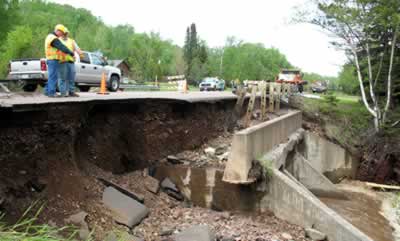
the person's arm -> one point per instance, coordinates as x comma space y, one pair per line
77, 49
60, 46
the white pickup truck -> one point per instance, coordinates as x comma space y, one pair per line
89, 69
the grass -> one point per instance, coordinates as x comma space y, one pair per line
346, 113
26, 229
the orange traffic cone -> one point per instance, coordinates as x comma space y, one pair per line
103, 90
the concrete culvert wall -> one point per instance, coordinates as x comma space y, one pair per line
329, 158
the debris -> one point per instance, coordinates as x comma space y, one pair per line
152, 184
196, 233
174, 160
210, 151
375, 185
168, 184
127, 210
77, 219
122, 237
170, 188
136, 196
167, 231
223, 157
315, 234
220, 150
286, 236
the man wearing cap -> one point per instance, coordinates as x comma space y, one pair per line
67, 67
53, 49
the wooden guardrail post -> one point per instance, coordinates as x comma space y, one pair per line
240, 100
278, 97
263, 89
250, 107
271, 97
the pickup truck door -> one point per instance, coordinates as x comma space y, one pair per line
83, 73
97, 68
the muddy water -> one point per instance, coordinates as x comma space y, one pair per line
363, 212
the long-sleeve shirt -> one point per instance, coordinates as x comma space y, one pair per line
60, 46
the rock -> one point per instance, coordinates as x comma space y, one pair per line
220, 150
77, 219
127, 210
123, 237
168, 184
210, 151
166, 231
286, 236
152, 184
174, 160
315, 234
84, 233
196, 233
138, 197
223, 157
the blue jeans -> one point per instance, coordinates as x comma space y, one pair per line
66, 81
52, 69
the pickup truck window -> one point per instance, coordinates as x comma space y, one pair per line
96, 60
85, 58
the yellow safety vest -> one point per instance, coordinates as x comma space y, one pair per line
51, 52
70, 44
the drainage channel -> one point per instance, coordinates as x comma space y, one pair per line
364, 212
204, 187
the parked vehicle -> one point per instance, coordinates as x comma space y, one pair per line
89, 69
319, 87
212, 84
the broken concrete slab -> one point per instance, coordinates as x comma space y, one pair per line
315, 234
136, 196
171, 189
152, 184
196, 233
168, 184
126, 210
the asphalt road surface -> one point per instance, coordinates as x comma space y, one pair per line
20, 99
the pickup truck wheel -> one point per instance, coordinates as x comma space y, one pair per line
84, 88
30, 87
114, 83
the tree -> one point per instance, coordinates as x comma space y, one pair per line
8, 13
364, 29
348, 82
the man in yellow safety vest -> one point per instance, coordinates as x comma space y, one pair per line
67, 67
53, 49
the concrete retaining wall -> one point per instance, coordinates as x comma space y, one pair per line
290, 201
252, 143
328, 158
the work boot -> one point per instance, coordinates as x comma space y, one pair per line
73, 94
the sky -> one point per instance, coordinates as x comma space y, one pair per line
256, 21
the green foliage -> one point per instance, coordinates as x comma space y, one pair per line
17, 44
331, 99
8, 13
348, 82
26, 229
268, 166
246, 61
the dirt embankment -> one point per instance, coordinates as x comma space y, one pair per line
50, 154
378, 154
